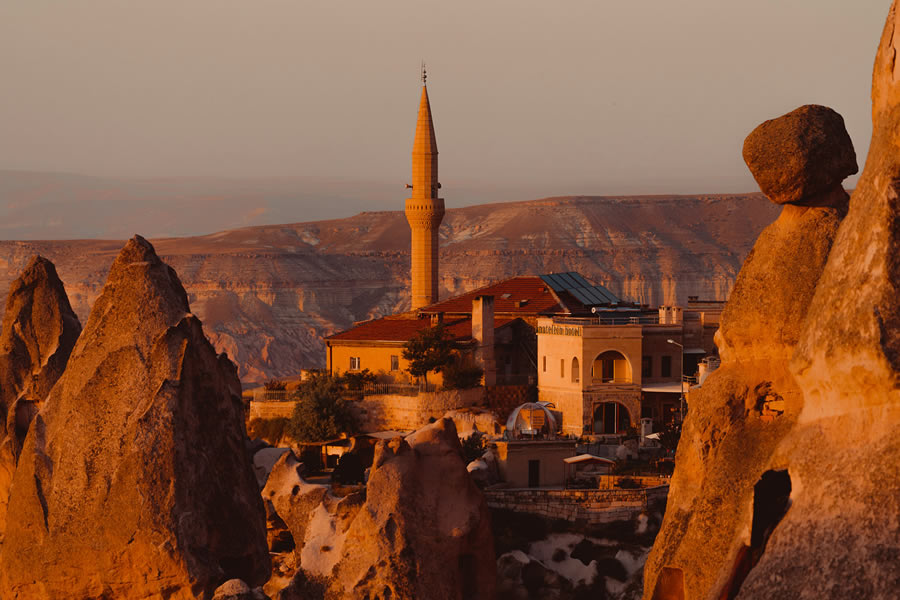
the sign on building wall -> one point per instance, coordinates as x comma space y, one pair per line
574, 331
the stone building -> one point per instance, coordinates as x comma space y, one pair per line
608, 372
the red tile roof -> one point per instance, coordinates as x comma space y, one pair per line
401, 329
509, 295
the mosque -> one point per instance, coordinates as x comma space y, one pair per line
608, 366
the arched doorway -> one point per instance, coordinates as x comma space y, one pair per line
611, 367
611, 418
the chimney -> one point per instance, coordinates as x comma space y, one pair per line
483, 334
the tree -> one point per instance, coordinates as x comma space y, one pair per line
429, 350
322, 413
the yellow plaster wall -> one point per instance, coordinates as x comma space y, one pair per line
374, 358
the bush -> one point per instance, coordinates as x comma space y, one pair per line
473, 447
358, 380
268, 430
462, 375
275, 385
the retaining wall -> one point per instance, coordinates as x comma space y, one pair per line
408, 413
585, 506
271, 410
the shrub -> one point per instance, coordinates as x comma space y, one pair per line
268, 430
358, 380
275, 385
461, 375
473, 447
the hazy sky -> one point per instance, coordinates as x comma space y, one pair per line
594, 96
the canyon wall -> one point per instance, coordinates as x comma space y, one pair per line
268, 294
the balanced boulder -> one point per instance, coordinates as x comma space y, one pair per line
134, 481
800, 155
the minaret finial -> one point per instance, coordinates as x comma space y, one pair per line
424, 73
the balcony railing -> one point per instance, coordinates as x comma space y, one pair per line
642, 320
611, 380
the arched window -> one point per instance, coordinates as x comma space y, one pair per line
576, 370
611, 367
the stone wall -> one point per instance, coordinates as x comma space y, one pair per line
408, 413
502, 399
591, 507
271, 410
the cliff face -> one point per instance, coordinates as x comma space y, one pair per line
268, 294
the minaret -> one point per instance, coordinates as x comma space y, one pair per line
424, 210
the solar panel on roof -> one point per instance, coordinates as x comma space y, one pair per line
580, 288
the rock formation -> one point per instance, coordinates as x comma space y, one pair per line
134, 481
38, 333
267, 295
787, 482
422, 532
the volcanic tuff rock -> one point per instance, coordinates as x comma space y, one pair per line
787, 482
268, 294
422, 532
38, 333
133, 480
800, 155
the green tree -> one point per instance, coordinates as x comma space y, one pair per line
429, 350
322, 413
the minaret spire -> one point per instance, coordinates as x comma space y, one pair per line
424, 210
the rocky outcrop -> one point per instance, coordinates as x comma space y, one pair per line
843, 455
423, 530
134, 481
38, 333
787, 482
714, 532
267, 295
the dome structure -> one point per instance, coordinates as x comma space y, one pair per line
532, 419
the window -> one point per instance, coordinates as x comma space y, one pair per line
646, 366
545, 364
395, 362
354, 363
666, 366
562, 367
576, 372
